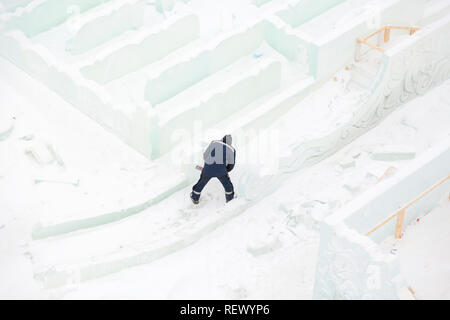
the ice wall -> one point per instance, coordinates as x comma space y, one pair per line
143, 49
105, 24
219, 103
284, 40
42, 15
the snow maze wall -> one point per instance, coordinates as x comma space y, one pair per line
157, 71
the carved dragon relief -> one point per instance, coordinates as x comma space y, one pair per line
346, 271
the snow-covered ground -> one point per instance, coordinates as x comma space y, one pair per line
424, 255
268, 251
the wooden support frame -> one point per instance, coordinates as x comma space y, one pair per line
412, 292
387, 34
399, 225
387, 173
400, 214
386, 38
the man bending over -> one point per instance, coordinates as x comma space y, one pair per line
219, 159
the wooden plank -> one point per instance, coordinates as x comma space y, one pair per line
358, 50
387, 34
403, 27
373, 46
427, 192
373, 33
403, 210
412, 292
381, 224
388, 172
399, 225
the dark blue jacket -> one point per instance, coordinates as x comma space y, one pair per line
219, 159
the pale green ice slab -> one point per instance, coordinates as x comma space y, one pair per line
40, 231
99, 28
49, 14
133, 56
217, 104
11, 5
203, 63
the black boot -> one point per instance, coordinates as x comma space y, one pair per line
229, 197
192, 198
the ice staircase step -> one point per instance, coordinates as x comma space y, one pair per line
364, 74
362, 80
368, 69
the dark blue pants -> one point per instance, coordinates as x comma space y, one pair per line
226, 183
